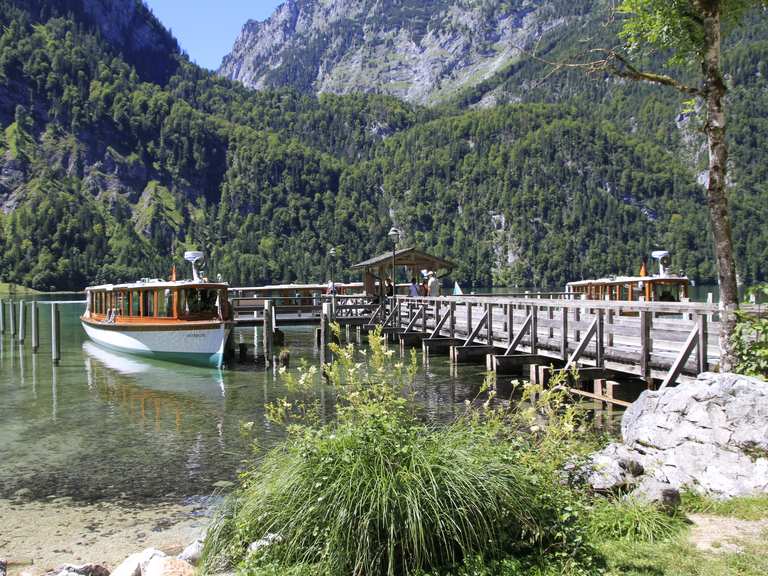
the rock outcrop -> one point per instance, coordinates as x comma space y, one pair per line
709, 436
417, 52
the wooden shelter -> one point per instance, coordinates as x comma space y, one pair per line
378, 268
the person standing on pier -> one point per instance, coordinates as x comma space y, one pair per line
433, 285
413, 289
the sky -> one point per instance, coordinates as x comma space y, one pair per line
207, 29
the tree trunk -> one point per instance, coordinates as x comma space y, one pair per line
717, 198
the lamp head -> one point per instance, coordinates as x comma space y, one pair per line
394, 235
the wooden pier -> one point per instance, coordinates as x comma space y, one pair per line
655, 343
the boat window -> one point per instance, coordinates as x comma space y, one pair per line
135, 309
198, 301
148, 296
164, 303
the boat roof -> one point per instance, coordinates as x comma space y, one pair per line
669, 278
298, 286
157, 283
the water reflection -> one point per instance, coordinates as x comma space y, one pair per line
106, 425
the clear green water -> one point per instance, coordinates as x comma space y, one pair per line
103, 425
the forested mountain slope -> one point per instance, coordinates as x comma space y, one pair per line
108, 173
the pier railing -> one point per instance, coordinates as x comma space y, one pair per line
652, 340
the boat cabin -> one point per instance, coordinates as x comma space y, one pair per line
155, 301
632, 288
660, 287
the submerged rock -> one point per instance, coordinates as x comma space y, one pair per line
709, 436
167, 566
81, 570
192, 553
135, 564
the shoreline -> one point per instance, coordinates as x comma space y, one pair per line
39, 536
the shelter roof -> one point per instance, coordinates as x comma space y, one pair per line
406, 257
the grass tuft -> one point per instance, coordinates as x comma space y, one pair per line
631, 519
744, 508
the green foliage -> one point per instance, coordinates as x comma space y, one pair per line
751, 339
377, 491
631, 519
675, 25
265, 182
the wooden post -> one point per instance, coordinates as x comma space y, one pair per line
646, 322
489, 324
267, 329
325, 333
510, 322
2, 317
609, 335
702, 359
534, 329
452, 320
551, 317
424, 315
600, 339
576, 319
35, 319
12, 318
469, 317
22, 318
55, 335
564, 335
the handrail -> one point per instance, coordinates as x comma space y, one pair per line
623, 305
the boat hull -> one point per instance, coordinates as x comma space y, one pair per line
200, 346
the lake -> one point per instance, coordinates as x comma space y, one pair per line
106, 426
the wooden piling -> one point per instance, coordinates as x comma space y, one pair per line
2, 317
55, 335
267, 329
22, 318
35, 320
255, 336
12, 318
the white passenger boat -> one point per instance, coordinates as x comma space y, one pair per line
185, 321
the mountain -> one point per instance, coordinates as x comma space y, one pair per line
110, 166
421, 52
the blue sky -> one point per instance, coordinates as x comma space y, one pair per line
207, 29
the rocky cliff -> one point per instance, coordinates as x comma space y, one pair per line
419, 51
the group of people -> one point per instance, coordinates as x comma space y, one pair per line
429, 286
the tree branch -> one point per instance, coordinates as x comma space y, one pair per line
614, 63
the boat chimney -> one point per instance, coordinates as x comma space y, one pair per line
194, 257
664, 260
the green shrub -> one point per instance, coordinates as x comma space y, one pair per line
631, 519
377, 491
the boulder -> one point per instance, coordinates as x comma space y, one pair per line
135, 564
81, 570
167, 566
709, 436
192, 552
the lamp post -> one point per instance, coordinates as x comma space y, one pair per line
332, 254
394, 235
